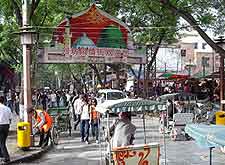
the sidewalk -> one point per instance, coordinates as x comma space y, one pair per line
16, 155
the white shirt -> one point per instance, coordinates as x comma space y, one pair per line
68, 97
85, 113
53, 97
5, 114
78, 104
123, 132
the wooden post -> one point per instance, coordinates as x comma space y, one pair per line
144, 82
105, 75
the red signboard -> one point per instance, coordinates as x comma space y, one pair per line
92, 36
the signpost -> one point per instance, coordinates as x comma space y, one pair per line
137, 154
221, 43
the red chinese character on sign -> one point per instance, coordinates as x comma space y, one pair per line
91, 52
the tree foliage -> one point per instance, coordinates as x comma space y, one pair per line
201, 15
150, 21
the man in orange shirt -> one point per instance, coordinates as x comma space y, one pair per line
43, 125
95, 120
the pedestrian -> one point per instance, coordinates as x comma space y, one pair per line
53, 99
84, 121
44, 100
71, 106
68, 96
17, 103
43, 125
5, 120
9, 98
95, 120
58, 98
122, 131
78, 105
171, 109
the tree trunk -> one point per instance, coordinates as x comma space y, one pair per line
149, 65
92, 66
138, 80
133, 72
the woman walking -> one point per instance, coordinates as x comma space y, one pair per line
84, 123
95, 120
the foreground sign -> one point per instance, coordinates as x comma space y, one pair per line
89, 55
137, 155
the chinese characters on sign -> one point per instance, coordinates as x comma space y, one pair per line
145, 155
89, 55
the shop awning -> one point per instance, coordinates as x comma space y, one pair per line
207, 135
200, 75
174, 76
129, 105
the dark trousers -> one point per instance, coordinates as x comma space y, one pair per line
44, 138
4, 130
94, 128
10, 105
77, 121
84, 129
17, 108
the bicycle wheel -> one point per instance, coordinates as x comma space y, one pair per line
55, 135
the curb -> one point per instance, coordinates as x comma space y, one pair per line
30, 157
12, 132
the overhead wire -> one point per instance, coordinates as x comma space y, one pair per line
132, 27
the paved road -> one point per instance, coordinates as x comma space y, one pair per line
72, 151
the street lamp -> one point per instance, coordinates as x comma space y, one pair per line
220, 42
27, 36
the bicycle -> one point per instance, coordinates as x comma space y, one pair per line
54, 135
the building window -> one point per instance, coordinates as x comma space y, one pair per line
204, 45
195, 45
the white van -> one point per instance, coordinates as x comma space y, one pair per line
110, 94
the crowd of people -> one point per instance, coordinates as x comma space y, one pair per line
82, 108
201, 88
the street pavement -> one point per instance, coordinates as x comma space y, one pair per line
71, 151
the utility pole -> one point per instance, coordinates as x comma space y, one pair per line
105, 75
203, 65
221, 43
182, 55
26, 41
189, 65
144, 82
221, 83
165, 67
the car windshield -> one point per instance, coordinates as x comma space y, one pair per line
115, 95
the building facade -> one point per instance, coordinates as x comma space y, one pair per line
198, 58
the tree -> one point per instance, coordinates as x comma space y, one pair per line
41, 14
150, 24
200, 15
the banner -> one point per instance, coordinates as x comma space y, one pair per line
89, 55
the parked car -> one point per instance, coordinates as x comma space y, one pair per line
110, 94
